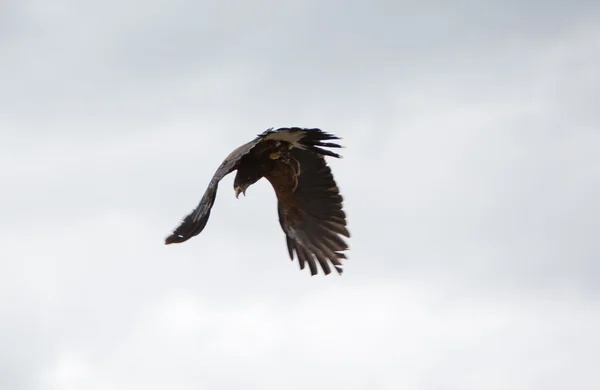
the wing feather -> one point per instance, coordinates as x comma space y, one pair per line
304, 256
312, 218
194, 223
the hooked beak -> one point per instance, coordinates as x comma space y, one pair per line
239, 190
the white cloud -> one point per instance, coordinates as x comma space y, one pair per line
385, 336
470, 179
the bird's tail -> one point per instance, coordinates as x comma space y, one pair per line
314, 140
307, 139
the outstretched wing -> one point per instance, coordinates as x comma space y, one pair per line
195, 222
310, 206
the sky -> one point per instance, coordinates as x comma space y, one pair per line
471, 179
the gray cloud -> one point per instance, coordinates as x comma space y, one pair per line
470, 177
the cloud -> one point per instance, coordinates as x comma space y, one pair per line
470, 180
373, 336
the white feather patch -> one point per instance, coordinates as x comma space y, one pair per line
293, 137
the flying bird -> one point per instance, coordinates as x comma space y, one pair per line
309, 204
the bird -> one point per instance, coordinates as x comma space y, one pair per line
309, 204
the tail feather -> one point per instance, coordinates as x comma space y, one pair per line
308, 139
323, 151
313, 140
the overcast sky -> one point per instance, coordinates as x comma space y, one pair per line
471, 176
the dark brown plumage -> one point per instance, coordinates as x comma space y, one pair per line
310, 207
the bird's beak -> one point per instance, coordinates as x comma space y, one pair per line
239, 190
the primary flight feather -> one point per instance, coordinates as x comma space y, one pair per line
309, 203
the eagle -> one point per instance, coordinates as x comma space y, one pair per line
309, 203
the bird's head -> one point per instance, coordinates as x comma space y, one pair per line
249, 172
239, 190
242, 181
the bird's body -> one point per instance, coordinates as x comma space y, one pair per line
310, 207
